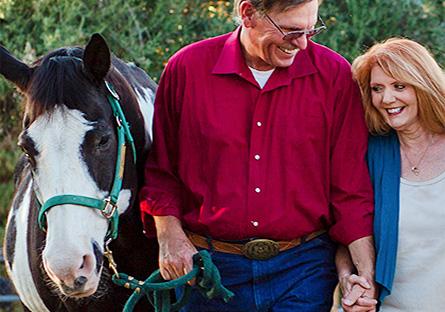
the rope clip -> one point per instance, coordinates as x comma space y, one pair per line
111, 263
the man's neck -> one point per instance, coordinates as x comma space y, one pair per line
252, 60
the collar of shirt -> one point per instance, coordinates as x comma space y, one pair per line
231, 61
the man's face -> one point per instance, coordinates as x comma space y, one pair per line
264, 45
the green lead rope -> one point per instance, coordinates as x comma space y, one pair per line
157, 290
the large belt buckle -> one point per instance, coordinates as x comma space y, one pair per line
261, 249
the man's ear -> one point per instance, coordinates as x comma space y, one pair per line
247, 11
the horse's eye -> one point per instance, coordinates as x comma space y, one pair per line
104, 141
26, 144
29, 157
24, 150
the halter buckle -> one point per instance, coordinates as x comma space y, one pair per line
111, 90
118, 122
109, 209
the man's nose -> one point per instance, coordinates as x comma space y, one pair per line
300, 42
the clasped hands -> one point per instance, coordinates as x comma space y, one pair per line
358, 294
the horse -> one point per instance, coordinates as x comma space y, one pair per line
71, 145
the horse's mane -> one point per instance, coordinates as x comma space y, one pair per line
59, 78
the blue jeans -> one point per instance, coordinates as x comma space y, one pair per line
301, 279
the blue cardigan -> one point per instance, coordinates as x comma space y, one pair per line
384, 168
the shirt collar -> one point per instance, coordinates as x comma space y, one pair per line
231, 61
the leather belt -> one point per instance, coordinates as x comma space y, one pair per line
257, 249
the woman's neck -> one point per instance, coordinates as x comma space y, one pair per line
415, 138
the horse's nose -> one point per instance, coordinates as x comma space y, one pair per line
73, 272
80, 282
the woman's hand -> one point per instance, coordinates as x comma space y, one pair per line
358, 294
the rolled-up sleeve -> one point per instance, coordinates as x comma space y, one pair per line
162, 192
351, 197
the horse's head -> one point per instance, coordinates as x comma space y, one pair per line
69, 137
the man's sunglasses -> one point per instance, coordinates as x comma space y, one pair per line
298, 33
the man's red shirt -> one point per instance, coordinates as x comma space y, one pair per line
234, 161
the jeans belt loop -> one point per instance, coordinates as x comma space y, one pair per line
209, 243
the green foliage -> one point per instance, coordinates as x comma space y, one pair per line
354, 26
145, 32
8, 157
149, 32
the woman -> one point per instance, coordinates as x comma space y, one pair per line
403, 91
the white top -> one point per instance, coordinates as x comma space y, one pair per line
419, 283
261, 76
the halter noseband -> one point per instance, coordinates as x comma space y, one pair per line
107, 206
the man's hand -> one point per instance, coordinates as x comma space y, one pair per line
175, 249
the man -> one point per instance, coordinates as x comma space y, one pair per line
259, 133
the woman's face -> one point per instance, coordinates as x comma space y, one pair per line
395, 100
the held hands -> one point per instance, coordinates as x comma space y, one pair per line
358, 294
359, 291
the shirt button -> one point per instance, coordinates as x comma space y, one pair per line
255, 223
257, 190
257, 157
259, 124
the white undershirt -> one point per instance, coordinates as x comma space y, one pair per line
261, 76
419, 282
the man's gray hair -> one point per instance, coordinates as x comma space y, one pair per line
264, 6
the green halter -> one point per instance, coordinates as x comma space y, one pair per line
107, 206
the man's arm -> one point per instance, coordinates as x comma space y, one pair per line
351, 197
163, 193
363, 257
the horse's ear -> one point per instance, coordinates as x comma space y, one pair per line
97, 57
13, 70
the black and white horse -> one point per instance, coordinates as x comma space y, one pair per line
70, 143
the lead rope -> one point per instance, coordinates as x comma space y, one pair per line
157, 290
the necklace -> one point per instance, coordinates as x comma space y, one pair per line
415, 167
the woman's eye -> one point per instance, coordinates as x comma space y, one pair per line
399, 86
376, 88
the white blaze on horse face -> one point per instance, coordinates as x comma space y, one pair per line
146, 105
20, 272
60, 169
124, 201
